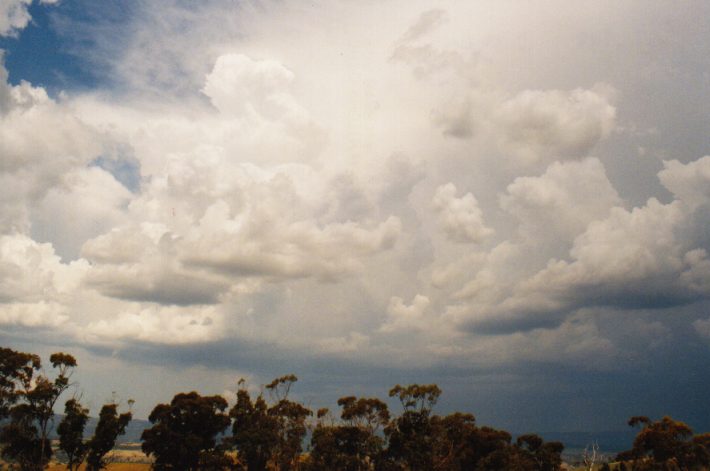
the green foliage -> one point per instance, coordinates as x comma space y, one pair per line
341, 447
354, 445
280, 387
411, 440
109, 427
418, 440
454, 436
185, 431
666, 444
71, 433
28, 399
16, 371
255, 432
22, 444
544, 456
370, 414
415, 396
291, 427
410, 436
269, 436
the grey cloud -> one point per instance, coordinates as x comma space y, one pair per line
554, 123
166, 288
461, 218
236, 205
427, 21
559, 204
456, 118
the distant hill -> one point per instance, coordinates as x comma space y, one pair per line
133, 430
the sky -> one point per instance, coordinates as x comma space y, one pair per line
509, 199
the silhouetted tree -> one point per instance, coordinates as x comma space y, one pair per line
255, 432
16, 371
454, 437
291, 423
369, 414
410, 437
71, 433
25, 438
529, 453
337, 447
354, 444
109, 427
269, 436
666, 444
488, 446
545, 456
185, 431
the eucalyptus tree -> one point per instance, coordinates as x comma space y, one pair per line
29, 397
111, 424
71, 433
184, 435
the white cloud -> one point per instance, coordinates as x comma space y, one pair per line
41, 143
533, 126
215, 225
690, 183
21, 96
143, 264
88, 202
646, 257
289, 158
13, 16
461, 218
353, 342
636, 244
403, 317
31, 271
40, 314
560, 204
554, 124
241, 86
158, 324
35, 286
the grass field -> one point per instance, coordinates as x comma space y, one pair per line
122, 459
111, 467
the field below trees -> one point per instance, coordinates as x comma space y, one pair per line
110, 467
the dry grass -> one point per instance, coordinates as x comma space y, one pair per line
119, 460
110, 467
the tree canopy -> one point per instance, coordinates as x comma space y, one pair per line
185, 431
277, 433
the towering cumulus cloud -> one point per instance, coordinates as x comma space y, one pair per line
448, 190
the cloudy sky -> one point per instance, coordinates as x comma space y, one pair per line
510, 199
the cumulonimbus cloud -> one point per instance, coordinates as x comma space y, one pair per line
420, 188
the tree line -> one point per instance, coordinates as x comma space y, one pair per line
270, 431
